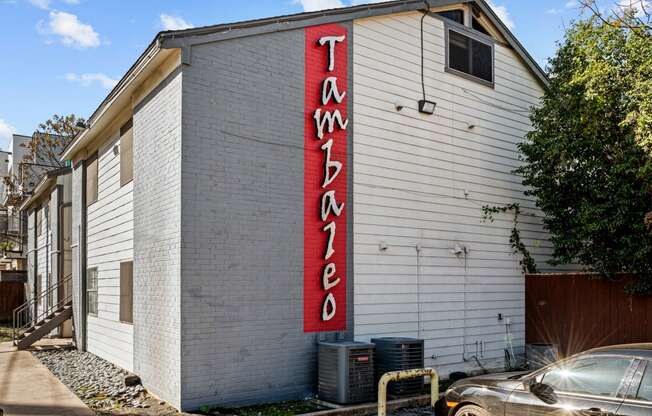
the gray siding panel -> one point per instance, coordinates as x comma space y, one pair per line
157, 239
77, 242
420, 184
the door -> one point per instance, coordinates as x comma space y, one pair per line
66, 252
590, 385
639, 398
66, 262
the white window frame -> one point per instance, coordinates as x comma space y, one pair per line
92, 290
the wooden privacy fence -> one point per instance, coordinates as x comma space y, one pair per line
12, 295
578, 312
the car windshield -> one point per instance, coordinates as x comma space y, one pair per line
598, 375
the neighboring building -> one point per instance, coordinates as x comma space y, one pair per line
218, 233
24, 174
12, 223
5, 156
16, 157
49, 254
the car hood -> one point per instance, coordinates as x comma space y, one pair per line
508, 381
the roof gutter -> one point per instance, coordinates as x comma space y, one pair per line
215, 33
184, 39
208, 34
43, 184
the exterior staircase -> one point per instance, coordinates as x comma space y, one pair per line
41, 315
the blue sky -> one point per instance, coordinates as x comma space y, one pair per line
63, 56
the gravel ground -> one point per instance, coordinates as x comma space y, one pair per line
5, 332
100, 384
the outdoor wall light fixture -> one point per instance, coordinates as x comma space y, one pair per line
427, 107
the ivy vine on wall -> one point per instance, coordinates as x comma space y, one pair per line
528, 265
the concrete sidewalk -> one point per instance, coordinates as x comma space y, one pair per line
28, 388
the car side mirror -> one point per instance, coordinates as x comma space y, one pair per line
543, 392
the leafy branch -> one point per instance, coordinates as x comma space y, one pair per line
633, 15
527, 262
43, 151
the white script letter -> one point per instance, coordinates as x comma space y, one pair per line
329, 271
325, 315
330, 164
329, 120
329, 89
331, 40
328, 204
331, 228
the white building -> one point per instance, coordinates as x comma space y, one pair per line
16, 156
218, 233
11, 221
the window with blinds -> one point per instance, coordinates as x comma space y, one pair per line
91, 291
126, 153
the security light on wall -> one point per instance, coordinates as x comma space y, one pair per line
427, 107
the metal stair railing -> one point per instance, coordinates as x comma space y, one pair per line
29, 314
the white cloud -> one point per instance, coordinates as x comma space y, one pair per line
571, 3
640, 6
87, 80
45, 4
169, 22
41, 4
503, 14
71, 31
553, 11
6, 130
314, 5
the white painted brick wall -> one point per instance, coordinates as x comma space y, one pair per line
157, 239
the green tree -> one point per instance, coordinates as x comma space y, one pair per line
44, 150
589, 159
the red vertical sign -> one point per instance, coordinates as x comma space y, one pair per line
325, 179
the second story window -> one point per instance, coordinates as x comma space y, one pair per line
39, 221
91, 180
470, 56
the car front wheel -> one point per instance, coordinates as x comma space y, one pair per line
471, 410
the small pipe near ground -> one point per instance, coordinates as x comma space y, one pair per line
404, 375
